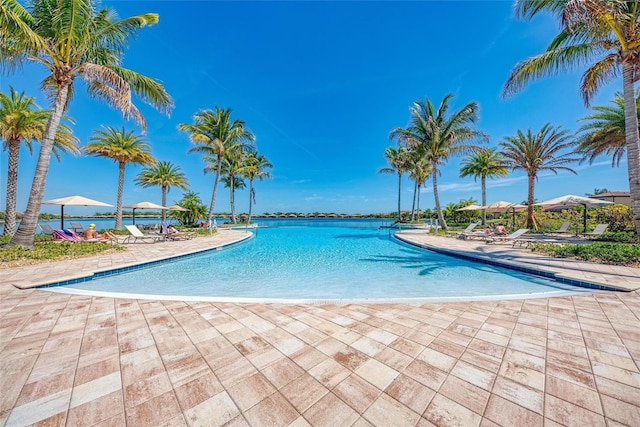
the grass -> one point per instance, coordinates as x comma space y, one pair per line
46, 249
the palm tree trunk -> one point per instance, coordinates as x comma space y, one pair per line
418, 205
530, 190
231, 200
12, 188
164, 202
24, 236
443, 223
251, 196
483, 184
399, 193
633, 141
121, 166
413, 203
215, 189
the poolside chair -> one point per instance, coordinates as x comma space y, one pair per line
46, 229
77, 228
459, 234
597, 231
66, 235
509, 238
564, 228
135, 234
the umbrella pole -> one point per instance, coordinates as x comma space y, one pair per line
134, 216
61, 217
584, 220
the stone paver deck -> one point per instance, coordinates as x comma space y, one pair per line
82, 361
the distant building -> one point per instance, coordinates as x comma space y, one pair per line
621, 197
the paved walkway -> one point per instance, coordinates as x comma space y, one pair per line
81, 360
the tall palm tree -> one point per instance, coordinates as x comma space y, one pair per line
397, 159
484, 163
166, 175
605, 34
256, 168
534, 153
22, 120
213, 133
440, 135
605, 133
122, 147
233, 167
73, 39
419, 173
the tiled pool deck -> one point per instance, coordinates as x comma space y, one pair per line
82, 361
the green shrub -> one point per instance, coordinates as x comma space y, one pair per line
619, 217
604, 252
47, 249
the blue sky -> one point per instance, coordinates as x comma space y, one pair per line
321, 84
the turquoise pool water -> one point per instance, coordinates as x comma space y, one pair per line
327, 262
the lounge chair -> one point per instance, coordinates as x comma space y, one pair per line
67, 235
564, 228
597, 231
136, 234
46, 229
461, 234
509, 238
77, 228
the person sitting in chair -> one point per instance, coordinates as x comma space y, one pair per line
91, 234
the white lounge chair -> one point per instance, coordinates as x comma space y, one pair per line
509, 238
136, 234
467, 230
564, 228
600, 228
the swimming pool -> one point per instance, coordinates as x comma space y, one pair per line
325, 263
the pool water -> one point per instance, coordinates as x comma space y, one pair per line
325, 263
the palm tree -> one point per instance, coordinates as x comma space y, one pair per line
605, 133
534, 153
256, 167
195, 209
419, 172
397, 165
484, 163
601, 32
440, 136
233, 167
21, 120
213, 133
166, 175
122, 147
73, 39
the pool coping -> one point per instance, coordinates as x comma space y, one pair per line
516, 266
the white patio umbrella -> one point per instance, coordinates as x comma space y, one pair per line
177, 208
75, 201
503, 206
573, 200
471, 207
145, 205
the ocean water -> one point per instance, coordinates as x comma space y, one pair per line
326, 260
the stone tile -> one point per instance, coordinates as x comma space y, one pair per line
248, 391
465, 394
282, 372
329, 373
411, 393
378, 374
386, 411
444, 411
568, 414
350, 358
274, 410
303, 392
356, 392
330, 411
580, 396
506, 413
218, 410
